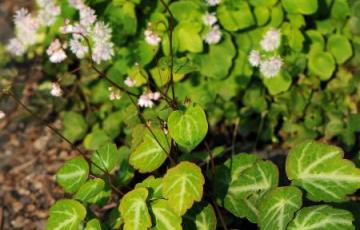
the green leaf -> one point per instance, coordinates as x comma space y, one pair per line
66, 214
235, 15
200, 217
93, 224
259, 178
224, 178
125, 172
165, 217
278, 207
339, 46
188, 128
279, 83
217, 63
73, 174
322, 64
152, 151
321, 170
321, 217
300, 6
75, 126
96, 139
153, 185
186, 10
182, 185
188, 34
263, 2
105, 159
90, 189
134, 210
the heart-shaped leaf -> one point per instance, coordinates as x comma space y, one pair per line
235, 15
300, 6
321, 170
165, 217
66, 215
339, 46
321, 217
93, 224
153, 185
200, 217
151, 153
134, 210
105, 159
188, 128
182, 185
90, 189
278, 207
73, 174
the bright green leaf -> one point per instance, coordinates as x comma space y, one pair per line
235, 15
73, 174
339, 46
66, 215
200, 217
105, 159
188, 34
300, 6
153, 185
165, 217
278, 84
134, 210
322, 217
151, 153
188, 128
182, 185
93, 224
278, 207
75, 126
90, 189
321, 170
322, 64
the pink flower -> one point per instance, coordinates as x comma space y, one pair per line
56, 52
130, 82
214, 35
151, 37
56, 90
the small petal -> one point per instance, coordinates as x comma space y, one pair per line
130, 82
271, 40
151, 37
254, 58
271, 67
214, 35
209, 19
56, 90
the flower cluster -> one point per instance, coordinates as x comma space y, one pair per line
270, 66
147, 100
151, 37
28, 25
56, 91
130, 82
214, 34
115, 94
88, 31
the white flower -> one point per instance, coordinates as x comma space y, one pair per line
130, 82
103, 51
15, 47
254, 58
145, 101
48, 12
213, 2
26, 27
78, 48
271, 67
2, 114
271, 40
87, 16
151, 37
101, 31
69, 28
56, 91
209, 19
154, 96
214, 35
114, 94
56, 52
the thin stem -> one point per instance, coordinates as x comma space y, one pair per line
45, 122
218, 211
171, 29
